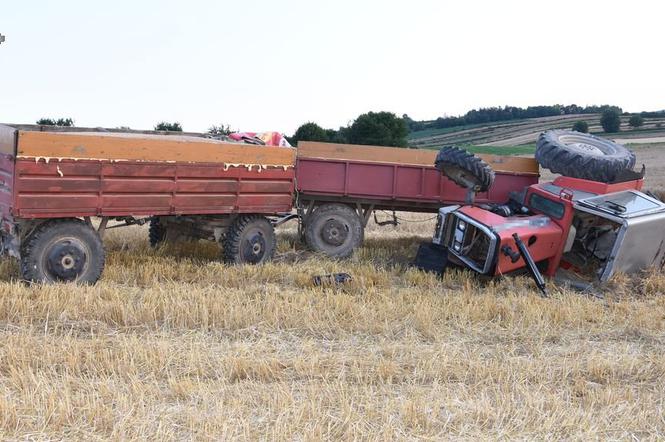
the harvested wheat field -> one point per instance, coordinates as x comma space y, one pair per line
172, 344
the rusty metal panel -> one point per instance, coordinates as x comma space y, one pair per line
205, 202
265, 186
134, 184
251, 203
321, 176
211, 186
56, 202
409, 186
133, 201
90, 187
141, 170
47, 184
57, 169
6, 185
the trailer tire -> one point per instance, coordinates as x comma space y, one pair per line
65, 250
250, 240
335, 230
464, 168
160, 233
579, 155
156, 232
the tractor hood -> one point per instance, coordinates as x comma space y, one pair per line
479, 238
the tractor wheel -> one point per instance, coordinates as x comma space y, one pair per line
63, 251
579, 155
156, 232
334, 229
250, 240
464, 168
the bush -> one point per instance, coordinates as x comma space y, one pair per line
581, 126
172, 127
379, 129
62, 122
636, 121
610, 120
217, 131
312, 132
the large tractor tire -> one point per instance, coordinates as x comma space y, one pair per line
334, 229
63, 251
580, 155
250, 240
465, 169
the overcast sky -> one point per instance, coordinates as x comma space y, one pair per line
273, 65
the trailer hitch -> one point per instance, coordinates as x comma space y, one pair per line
284, 218
531, 265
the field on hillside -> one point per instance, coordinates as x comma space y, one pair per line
173, 345
525, 132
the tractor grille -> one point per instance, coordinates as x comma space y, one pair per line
471, 242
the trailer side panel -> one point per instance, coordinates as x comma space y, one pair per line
390, 185
66, 187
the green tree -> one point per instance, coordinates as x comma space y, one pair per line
379, 129
610, 120
217, 131
63, 122
311, 132
636, 121
581, 126
172, 127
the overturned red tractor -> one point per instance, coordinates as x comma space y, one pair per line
582, 228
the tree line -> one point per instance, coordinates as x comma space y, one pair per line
387, 129
486, 115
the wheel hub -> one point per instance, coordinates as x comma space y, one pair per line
65, 261
334, 232
588, 148
460, 176
254, 248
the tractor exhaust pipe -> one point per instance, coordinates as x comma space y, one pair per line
533, 270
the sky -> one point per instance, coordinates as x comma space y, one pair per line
259, 65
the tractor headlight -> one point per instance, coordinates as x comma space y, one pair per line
461, 225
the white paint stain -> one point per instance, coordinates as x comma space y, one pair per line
226, 166
59, 171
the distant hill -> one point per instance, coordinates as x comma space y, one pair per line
524, 132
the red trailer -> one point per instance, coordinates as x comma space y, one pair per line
54, 181
340, 185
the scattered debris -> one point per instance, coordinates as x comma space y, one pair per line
332, 279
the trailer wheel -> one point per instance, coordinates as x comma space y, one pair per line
156, 232
160, 232
63, 251
250, 240
585, 156
334, 229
